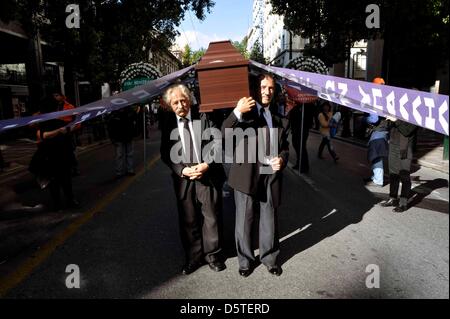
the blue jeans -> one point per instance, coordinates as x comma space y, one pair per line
378, 171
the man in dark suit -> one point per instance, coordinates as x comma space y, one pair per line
198, 183
254, 188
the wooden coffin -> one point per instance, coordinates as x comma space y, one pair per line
223, 77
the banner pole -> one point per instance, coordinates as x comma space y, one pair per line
301, 139
145, 144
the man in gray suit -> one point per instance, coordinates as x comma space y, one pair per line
253, 188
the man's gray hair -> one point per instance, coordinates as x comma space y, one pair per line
184, 90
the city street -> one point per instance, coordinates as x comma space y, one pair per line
125, 238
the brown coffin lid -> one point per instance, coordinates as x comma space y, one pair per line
221, 54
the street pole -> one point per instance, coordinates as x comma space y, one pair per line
145, 144
301, 139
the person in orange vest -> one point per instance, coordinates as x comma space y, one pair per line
64, 105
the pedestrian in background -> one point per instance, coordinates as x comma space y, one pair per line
300, 134
325, 117
401, 136
122, 129
56, 146
378, 147
64, 105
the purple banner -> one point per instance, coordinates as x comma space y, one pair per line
423, 109
139, 94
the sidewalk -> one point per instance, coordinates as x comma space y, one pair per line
429, 151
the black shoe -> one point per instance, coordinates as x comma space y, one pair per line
245, 272
190, 268
367, 179
131, 173
275, 270
400, 209
389, 202
336, 158
217, 266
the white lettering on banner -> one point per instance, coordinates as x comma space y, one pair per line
416, 103
442, 109
84, 117
403, 111
119, 101
342, 97
377, 93
329, 88
430, 122
365, 101
142, 94
101, 112
390, 103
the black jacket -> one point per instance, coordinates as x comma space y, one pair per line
245, 177
215, 176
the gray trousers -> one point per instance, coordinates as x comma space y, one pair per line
246, 208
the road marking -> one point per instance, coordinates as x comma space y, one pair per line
14, 278
295, 232
330, 213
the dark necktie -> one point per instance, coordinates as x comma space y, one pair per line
265, 125
188, 143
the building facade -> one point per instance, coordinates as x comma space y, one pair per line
164, 60
279, 46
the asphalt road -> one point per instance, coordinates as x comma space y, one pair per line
125, 239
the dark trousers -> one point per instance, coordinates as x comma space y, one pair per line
200, 220
61, 180
246, 208
394, 180
326, 141
296, 137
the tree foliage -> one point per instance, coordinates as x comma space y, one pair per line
112, 33
190, 57
415, 31
257, 53
242, 47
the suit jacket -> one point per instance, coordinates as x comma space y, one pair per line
215, 176
245, 177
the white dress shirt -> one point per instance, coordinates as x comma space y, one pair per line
268, 118
191, 130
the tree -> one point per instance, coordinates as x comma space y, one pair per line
191, 57
242, 47
186, 58
112, 33
197, 55
257, 54
414, 31
331, 25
